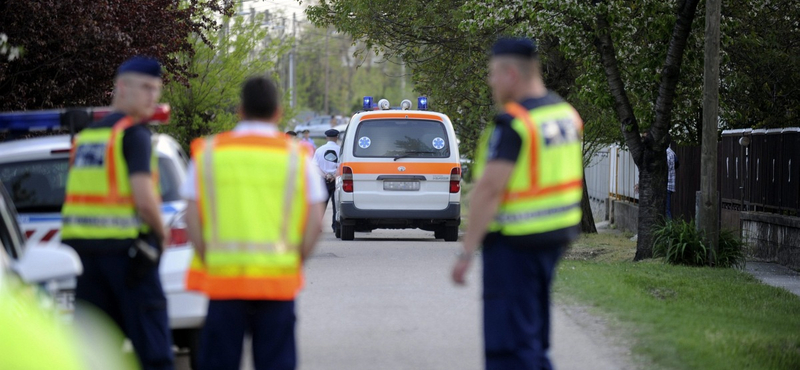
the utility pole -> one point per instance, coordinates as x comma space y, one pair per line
327, 70
708, 217
291, 60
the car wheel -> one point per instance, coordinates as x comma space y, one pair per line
438, 233
451, 233
348, 231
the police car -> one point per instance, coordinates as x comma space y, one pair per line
399, 168
34, 265
34, 171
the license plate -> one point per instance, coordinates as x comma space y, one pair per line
401, 185
65, 301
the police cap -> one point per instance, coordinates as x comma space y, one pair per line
521, 47
140, 64
332, 133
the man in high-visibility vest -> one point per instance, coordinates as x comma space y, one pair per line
112, 206
525, 207
254, 213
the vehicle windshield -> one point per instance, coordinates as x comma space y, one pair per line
401, 138
39, 186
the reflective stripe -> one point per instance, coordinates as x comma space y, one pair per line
208, 173
103, 221
509, 218
243, 247
288, 197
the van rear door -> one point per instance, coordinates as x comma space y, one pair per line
402, 163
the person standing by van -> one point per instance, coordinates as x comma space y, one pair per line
326, 158
525, 207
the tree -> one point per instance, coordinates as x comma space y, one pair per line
219, 64
73, 47
354, 71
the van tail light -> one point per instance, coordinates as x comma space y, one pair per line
455, 180
347, 179
178, 236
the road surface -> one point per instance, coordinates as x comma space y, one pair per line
385, 301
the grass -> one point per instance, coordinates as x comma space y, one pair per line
683, 317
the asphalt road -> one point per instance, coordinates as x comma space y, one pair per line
385, 301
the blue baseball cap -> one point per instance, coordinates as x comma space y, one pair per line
522, 47
332, 133
141, 64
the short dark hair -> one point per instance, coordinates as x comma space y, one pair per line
259, 98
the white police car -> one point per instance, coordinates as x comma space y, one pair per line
34, 171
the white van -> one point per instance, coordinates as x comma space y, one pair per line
399, 168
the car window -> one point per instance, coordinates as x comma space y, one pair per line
36, 186
401, 137
39, 186
168, 179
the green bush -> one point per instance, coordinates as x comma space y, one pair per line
680, 243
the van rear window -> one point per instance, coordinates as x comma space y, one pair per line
401, 138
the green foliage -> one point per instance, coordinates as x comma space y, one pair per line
680, 243
354, 71
207, 103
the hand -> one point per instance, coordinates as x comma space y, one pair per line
460, 270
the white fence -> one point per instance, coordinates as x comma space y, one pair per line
610, 173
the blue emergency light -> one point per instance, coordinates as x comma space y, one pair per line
73, 118
31, 121
422, 103
367, 103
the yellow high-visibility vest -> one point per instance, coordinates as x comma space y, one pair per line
546, 186
98, 203
251, 194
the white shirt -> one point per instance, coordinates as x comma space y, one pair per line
325, 165
316, 191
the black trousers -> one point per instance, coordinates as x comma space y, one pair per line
331, 185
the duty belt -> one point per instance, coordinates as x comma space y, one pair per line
507, 218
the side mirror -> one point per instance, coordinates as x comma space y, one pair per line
40, 264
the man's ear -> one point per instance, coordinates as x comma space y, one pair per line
240, 112
277, 116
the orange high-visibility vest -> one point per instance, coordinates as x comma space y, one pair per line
251, 194
99, 203
545, 189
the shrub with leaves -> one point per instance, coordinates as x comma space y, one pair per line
680, 243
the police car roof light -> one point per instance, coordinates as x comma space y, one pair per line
422, 103
75, 118
367, 103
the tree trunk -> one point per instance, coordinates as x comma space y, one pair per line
652, 199
648, 153
587, 220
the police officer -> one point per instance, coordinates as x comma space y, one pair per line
525, 206
326, 158
111, 206
253, 215
307, 138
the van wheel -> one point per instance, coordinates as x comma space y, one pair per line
438, 233
450, 233
348, 232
